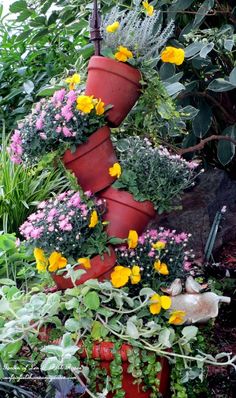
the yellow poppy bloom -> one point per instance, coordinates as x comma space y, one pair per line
85, 103
93, 219
99, 107
158, 302
56, 261
113, 27
159, 245
41, 260
115, 170
123, 54
85, 261
177, 317
135, 276
132, 239
120, 276
161, 268
149, 9
173, 55
73, 80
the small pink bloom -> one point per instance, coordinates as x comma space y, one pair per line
66, 132
57, 116
43, 136
187, 266
39, 124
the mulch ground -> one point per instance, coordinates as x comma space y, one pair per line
222, 381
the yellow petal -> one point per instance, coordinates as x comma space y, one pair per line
165, 302
132, 239
85, 261
159, 245
113, 27
93, 219
177, 317
115, 170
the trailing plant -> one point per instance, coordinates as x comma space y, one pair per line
65, 120
94, 312
152, 174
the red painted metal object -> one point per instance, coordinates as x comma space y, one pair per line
91, 161
101, 269
116, 83
124, 213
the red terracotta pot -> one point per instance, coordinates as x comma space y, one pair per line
103, 352
91, 161
116, 83
100, 269
125, 213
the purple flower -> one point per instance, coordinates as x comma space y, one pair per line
66, 112
59, 95
39, 124
66, 132
71, 97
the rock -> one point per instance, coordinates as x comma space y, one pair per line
214, 189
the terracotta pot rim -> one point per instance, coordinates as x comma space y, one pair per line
127, 72
124, 197
85, 147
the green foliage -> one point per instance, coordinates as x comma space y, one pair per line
21, 189
15, 261
152, 173
38, 43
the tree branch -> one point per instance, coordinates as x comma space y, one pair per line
202, 143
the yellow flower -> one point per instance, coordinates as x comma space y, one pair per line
135, 276
173, 55
99, 107
113, 28
115, 170
159, 245
41, 260
123, 54
93, 219
56, 261
177, 317
73, 80
158, 302
132, 239
161, 268
85, 103
120, 276
149, 9
85, 261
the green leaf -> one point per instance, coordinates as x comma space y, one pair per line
98, 331
188, 112
72, 325
206, 49
50, 364
226, 149
202, 11
38, 36
232, 77
202, 121
92, 301
8, 282
189, 332
193, 49
132, 330
174, 88
220, 85
18, 6
48, 91
28, 86
10, 350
